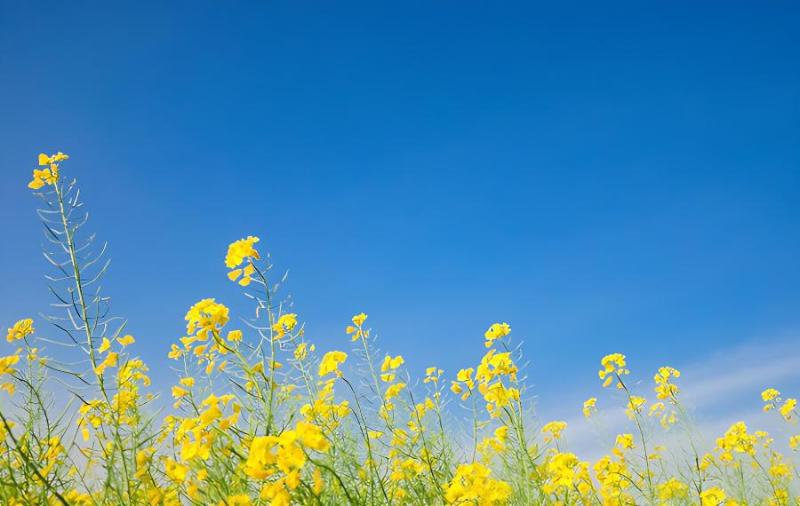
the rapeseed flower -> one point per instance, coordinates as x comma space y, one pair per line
20, 330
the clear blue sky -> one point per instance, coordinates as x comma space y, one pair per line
612, 176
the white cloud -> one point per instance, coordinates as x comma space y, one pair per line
717, 390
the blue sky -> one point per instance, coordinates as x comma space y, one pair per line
604, 177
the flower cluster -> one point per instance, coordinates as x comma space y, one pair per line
48, 175
239, 252
260, 417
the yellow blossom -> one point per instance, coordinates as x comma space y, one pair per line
109, 361
286, 323
495, 332
175, 471
472, 484
672, 489
589, 406
553, 430
48, 176
241, 250
787, 409
635, 404
236, 500
104, 346
625, 441
713, 496
20, 330
126, 340
7, 363
390, 363
394, 390
614, 366
206, 316
769, 394
664, 389
330, 363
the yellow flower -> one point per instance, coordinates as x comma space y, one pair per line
394, 390
109, 361
319, 483
8, 387
301, 352
311, 436
736, 440
175, 352
771, 398
48, 176
589, 406
286, 323
672, 489
20, 330
126, 340
330, 363
614, 366
432, 375
788, 408
496, 331
241, 250
553, 430
359, 319
206, 316
175, 471
48, 160
713, 496
635, 404
236, 500
390, 363
104, 346
7, 363
563, 471
664, 389
179, 392
625, 441
246, 275
472, 484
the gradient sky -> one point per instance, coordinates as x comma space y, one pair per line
605, 177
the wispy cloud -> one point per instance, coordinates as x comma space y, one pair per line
718, 390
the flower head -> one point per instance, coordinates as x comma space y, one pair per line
48, 176
614, 366
206, 316
553, 430
239, 252
330, 363
20, 330
589, 406
664, 388
496, 331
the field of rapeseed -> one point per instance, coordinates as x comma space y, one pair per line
259, 417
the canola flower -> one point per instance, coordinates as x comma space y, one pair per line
258, 415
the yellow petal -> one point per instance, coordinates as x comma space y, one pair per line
104, 346
44, 159
126, 340
234, 274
